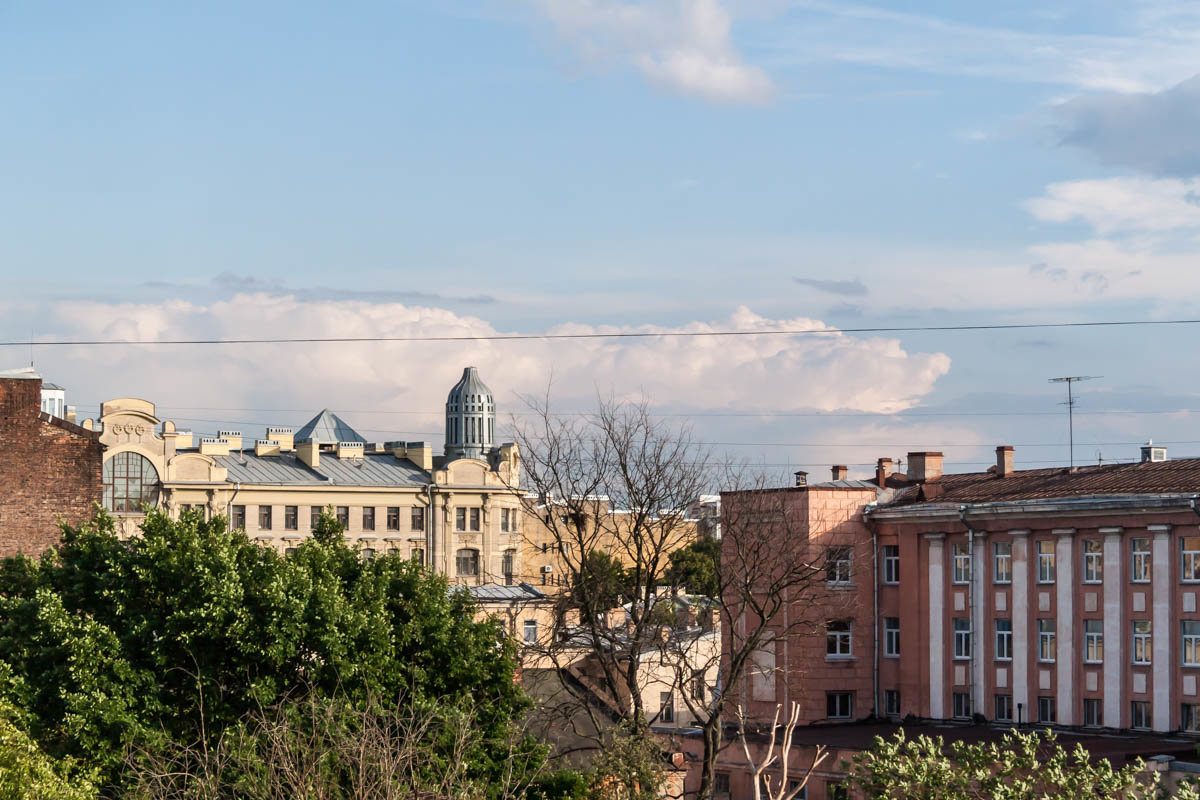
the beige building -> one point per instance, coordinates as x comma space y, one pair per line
457, 512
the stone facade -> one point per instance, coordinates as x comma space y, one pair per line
49, 469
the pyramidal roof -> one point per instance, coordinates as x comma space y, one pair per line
328, 428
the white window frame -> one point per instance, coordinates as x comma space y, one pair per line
1093, 561
1189, 561
1002, 562
962, 563
1143, 641
529, 631
1140, 561
1097, 705
891, 637
839, 639
837, 697
838, 565
1004, 640
1093, 641
891, 564
962, 638
1189, 717
1046, 567
1047, 702
1190, 651
1005, 701
1047, 644
961, 705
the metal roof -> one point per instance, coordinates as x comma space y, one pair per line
370, 470
498, 592
328, 428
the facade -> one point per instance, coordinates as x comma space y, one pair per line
50, 469
456, 513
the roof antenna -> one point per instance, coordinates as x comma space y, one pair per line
1099, 459
1070, 404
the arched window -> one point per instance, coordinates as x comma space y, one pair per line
508, 566
467, 562
130, 481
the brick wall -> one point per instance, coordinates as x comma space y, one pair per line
50, 470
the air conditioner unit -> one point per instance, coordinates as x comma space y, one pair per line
547, 568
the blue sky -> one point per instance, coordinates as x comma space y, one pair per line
534, 165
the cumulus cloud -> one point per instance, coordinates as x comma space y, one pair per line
827, 372
1158, 132
682, 46
854, 288
1121, 205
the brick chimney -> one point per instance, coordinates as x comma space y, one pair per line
1004, 460
883, 469
840, 471
924, 466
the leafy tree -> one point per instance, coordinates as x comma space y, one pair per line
600, 583
27, 773
1019, 766
696, 566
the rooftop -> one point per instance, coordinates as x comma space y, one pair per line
495, 592
285, 468
328, 428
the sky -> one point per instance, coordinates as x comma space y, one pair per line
478, 167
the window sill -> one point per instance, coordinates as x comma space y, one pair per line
841, 658
1087, 663
1002, 583
1093, 583
1046, 661
838, 585
894, 657
1147, 580
1004, 660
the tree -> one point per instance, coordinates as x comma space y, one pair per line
695, 567
771, 774
601, 581
1021, 765
27, 773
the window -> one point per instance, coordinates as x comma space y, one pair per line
837, 565
1191, 643
1191, 559
1002, 562
237, 519
418, 518
721, 783
962, 705
839, 705
838, 791
699, 690
529, 631
891, 636
476, 515
343, 516
1003, 639
1093, 561
418, 555
891, 563
962, 637
288, 552
367, 554
130, 481
838, 639
1093, 712
1046, 640
1189, 717
800, 792
1047, 712
368, 518
1045, 561
1093, 641
508, 520
393, 518
460, 519
1141, 641
466, 561
962, 563
667, 714
291, 515
314, 516
564, 548
891, 702
1139, 571
1004, 708
1139, 714
264, 518
506, 566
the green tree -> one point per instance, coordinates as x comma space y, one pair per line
27, 773
696, 567
1020, 766
600, 583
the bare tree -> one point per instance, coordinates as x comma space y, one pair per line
788, 788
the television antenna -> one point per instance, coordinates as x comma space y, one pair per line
1070, 404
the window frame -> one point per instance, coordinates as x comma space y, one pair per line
392, 522
1047, 633
291, 518
1189, 642
1093, 561
136, 477
529, 626
1093, 641
1143, 710
891, 702
666, 710
839, 563
833, 700
1189, 558
1047, 702
508, 565
891, 637
237, 518
1003, 652
1141, 651
416, 519
1001, 576
1096, 705
314, 516
961, 562
266, 514
1189, 717
466, 552
891, 564
1141, 562
1047, 565
368, 518
1005, 700
960, 705
838, 637
962, 638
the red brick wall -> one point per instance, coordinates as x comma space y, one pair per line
50, 470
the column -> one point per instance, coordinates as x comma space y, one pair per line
1161, 628
937, 636
1020, 622
978, 637
1064, 557
1114, 630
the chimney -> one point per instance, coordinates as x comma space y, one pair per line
924, 466
213, 446
840, 471
1004, 460
309, 452
883, 470
70, 413
266, 447
284, 437
801, 478
233, 437
350, 449
1153, 452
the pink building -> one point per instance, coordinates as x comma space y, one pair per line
1048, 596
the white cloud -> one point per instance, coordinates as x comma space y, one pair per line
745, 373
1121, 205
681, 45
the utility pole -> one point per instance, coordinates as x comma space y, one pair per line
1070, 404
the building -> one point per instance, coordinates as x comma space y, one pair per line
53, 396
456, 512
1064, 597
50, 468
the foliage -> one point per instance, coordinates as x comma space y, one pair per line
630, 767
177, 635
563, 784
696, 566
1019, 766
27, 773
600, 583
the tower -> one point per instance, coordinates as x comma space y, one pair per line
470, 418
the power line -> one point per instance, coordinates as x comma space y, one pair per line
614, 335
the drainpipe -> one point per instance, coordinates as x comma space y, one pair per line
430, 530
1195, 505
874, 601
237, 487
962, 515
